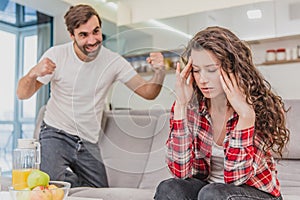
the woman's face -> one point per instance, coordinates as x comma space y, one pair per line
206, 71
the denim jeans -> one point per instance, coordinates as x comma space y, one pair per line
196, 189
67, 157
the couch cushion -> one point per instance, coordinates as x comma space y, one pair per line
145, 112
125, 147
289, 176
113, 193
293, 118
156, 169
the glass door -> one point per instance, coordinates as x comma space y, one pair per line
18, 48
7, 93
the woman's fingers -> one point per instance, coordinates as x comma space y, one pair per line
185, 73
224, 85
190, 80
233, 80
228, 80
224, 80
184, 77
177, 68
186, 70
178, 72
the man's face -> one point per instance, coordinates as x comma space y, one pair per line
88, 39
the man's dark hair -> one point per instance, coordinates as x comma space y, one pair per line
78, 15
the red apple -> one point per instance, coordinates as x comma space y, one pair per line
57, 193
40, 193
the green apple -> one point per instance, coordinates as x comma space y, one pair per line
37, 178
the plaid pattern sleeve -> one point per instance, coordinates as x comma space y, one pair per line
179, 148
239, 156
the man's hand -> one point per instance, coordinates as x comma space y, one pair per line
156, 59
28, 84
44, 67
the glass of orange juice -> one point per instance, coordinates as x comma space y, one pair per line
19, 178
26, 157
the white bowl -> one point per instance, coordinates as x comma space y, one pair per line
57, 190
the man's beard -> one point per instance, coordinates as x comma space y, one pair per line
89, 54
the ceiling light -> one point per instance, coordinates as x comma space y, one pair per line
254, 14
113, 5
165, 26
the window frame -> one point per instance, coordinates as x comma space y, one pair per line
21, 32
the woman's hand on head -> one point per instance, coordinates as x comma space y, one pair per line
184, 84
237, 97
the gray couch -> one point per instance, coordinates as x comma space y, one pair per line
133, 149
289, 167
133, 152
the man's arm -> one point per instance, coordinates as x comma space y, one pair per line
28, 84
151, 88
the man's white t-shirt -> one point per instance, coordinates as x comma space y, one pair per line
78, 89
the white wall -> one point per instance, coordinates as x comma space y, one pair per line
122, 97
143, 10
284, 79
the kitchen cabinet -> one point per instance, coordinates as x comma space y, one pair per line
282, 75
279, 27
287, 17
259, 48
281, 62
236, 19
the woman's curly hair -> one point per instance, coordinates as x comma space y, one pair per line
235, 57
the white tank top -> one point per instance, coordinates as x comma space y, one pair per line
217, 164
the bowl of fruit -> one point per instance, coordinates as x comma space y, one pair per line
39, 187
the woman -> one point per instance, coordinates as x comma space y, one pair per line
224, 124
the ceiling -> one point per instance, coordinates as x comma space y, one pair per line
134, 11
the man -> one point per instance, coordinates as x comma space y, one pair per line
81, 73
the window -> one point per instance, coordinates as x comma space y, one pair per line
7, 74
8, 12
19, 33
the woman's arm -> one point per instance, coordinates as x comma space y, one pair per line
179, 147
239, 153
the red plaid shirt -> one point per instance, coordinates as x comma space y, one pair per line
190, 146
